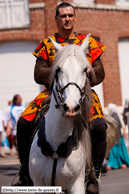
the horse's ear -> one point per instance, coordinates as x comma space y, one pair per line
85, 45
55, 44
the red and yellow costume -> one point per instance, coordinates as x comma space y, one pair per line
46, 52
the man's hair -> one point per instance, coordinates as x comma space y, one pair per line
62, 5
15, 99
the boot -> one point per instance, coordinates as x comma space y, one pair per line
23, 138
24, 178
92, 184
99, 150
25, 134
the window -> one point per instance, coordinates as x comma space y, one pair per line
122, 2
14, 14
83, 1
123, 48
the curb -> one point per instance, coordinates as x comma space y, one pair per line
10, 162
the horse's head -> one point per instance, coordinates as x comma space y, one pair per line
69, 70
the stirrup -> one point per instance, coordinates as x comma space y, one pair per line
93, 182
90, 174
18, 180
20, 174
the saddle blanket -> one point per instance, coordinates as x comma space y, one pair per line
96, 113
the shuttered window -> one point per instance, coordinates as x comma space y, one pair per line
14, 14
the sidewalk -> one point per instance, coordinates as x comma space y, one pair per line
15, 159
10, 159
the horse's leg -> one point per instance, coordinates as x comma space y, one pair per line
77, 187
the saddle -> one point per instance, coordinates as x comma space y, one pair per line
45, 107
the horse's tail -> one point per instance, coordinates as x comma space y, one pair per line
112, 133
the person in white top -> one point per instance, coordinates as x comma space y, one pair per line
1, 130
9, 135
13, 113
126, 114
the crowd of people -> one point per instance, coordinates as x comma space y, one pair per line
119, 156
8, 124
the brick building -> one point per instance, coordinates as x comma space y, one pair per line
23, 24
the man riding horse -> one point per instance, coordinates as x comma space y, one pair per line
45, 54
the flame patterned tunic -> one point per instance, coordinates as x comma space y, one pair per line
46, 52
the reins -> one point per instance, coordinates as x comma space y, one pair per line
56, 157
59, 99
58, 95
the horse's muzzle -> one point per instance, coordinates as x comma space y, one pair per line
70, 112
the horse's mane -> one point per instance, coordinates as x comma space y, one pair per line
82, 60
85, 132
63, 54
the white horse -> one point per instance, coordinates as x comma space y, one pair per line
61, 149
72, 97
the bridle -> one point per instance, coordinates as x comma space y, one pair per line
58, 95
59, 90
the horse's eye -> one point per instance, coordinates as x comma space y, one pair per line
85, 70
57, 69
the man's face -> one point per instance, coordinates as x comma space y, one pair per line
19, 101
66, 18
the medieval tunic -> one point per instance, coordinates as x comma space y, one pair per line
46, 52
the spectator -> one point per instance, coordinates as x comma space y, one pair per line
1, 130
118, 157
13, 113
10, 140
126, 114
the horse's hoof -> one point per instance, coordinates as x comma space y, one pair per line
92, 187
